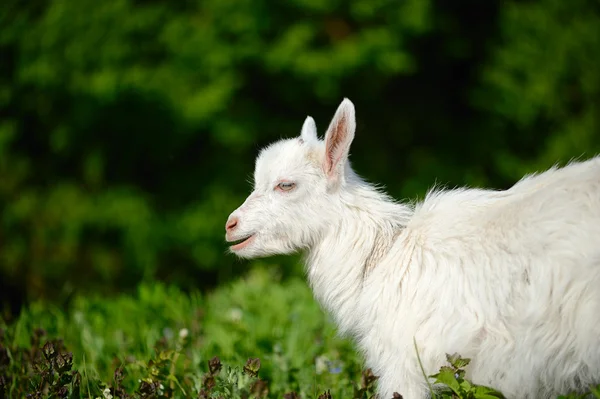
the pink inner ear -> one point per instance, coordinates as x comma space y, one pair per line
334, 144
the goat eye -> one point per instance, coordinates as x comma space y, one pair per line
286, 186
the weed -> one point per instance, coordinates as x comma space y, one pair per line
456, 386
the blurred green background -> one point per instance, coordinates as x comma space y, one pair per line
128, 128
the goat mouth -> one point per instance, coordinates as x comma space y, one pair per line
241, 243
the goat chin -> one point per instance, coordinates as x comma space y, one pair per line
510, 279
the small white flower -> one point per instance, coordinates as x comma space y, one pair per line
107, 394
235, 314
183, 333
321, 364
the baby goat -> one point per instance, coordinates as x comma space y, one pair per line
510, 279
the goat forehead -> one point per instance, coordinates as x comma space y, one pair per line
285, 157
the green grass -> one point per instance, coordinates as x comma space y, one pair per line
255, 317
257, 337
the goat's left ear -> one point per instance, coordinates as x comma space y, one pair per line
338, 138
309, 130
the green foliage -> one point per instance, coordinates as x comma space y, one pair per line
450, 383
452, 377
542, 81
164, 336
45, 371
128, 127
255, 338
119, 121
593, 394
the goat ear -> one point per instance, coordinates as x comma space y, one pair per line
338, 138
309, 130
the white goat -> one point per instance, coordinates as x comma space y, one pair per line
510, 279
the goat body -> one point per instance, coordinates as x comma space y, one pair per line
510, 279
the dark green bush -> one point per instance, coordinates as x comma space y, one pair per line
128, 127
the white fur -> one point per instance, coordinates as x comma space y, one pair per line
510, 279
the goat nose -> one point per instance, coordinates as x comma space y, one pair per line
231, 223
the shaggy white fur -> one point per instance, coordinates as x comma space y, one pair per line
510, 279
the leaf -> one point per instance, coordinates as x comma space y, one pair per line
49, 350
252, 367
457, 361
166, 355
368, 378
465, 385
446, 377
214, 365
482, 392
443, 369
